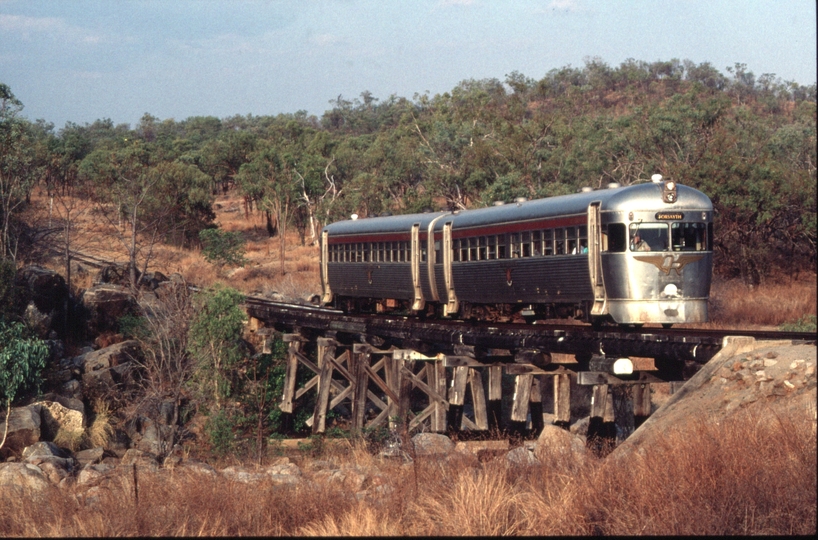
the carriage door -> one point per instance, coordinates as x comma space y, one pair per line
418, 303
595, 258
327, 296
451, 299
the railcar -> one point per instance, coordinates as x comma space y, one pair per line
572, 256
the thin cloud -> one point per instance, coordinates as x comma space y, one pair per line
565, 5
457, 2
35, 27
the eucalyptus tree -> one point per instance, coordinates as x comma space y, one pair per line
16, 164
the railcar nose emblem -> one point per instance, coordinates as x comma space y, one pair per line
670, 261
508, 277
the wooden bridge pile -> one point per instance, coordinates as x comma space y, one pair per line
385, 387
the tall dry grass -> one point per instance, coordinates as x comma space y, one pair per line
769, 304
751, 473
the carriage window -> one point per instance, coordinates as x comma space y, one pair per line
548, 242
571, 245
536, 243
559, 241
464, 249
501, 246
688, 236
472, 249
583, 245
437, 252
525, 244
482, 251
514, 244
652, 236
617, 238
407, 249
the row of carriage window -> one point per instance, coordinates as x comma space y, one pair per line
558, 241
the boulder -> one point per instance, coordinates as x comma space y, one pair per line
38, 321
22, 478
45, 288
105, 304
152, 280
243, 475
521, 456
141, 459
54, 468
52, 461
112, 356
59, 420
429, 444
43, 449
149, 436
90, 456
24, 428
557, 442
116, 274
111, 367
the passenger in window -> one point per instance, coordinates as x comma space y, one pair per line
637, 244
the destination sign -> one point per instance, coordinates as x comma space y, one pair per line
669, 215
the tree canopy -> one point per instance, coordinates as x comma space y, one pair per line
749, 142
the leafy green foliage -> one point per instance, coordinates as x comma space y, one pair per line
807, 323
215, 342
21, 359
8, 291
219, 430
134, 327
747, 141
222, 247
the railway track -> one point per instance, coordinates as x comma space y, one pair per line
674, 347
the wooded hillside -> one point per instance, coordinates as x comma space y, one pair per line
748, 142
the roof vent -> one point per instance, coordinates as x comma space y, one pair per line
614, 185
499, 203
586, 189
520, 200
656, 178
354, 217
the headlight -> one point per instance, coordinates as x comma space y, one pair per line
669, 192
670, 291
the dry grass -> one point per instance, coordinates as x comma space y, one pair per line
262, 273
747, 474
770, 304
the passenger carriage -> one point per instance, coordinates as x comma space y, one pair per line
568, 256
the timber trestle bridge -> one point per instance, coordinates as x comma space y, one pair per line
443, 375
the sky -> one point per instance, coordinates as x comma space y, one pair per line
84, 60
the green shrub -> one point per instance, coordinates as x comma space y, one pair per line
222, 247
807, 323
219, 430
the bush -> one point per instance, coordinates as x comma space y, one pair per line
22, 358
222, 247
807, 323
219, 430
